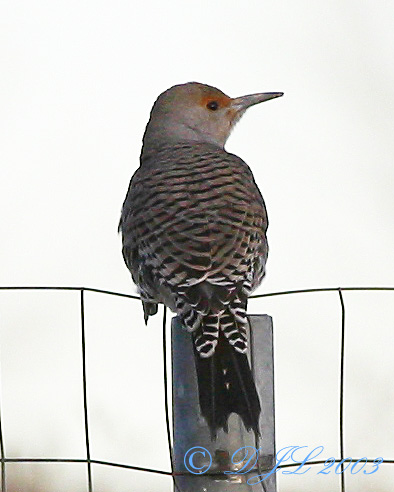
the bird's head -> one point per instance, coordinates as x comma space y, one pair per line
195, 112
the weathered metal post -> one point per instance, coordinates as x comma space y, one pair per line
203, 462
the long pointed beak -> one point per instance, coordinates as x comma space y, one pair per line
241, 104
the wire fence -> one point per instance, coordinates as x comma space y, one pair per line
89, 461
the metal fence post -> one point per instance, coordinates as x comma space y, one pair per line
191, 431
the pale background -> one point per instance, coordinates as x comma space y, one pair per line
78, 79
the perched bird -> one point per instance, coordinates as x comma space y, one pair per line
194, 238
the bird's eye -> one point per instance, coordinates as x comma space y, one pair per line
213, 105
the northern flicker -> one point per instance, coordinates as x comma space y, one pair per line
194, 238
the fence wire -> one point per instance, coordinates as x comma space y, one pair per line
89, 461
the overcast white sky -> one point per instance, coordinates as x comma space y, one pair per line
77, 83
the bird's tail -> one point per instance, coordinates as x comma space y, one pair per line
226, 385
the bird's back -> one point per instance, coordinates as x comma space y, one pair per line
193, 226
193, 214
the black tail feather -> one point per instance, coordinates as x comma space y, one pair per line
226, 385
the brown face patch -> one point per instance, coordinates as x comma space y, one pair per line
222, 100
